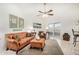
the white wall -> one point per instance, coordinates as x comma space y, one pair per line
5, 10
64, 13
67, 14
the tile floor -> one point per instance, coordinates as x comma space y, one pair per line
66, 46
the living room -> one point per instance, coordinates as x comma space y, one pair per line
32, 21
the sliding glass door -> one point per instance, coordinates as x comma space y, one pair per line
54, 30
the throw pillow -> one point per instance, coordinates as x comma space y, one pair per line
13, 37
28, 35
10, 36
17, 38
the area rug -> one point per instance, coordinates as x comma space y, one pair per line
51, 48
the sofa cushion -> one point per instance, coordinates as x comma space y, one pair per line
11, 40
11, 36
22, 41
21, 35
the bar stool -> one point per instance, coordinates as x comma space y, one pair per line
75, 37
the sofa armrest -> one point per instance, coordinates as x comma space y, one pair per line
11, 40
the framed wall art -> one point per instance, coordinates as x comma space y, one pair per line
13, 20
16, 23
21, 22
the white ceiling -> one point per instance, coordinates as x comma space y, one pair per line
63, 12
30, 8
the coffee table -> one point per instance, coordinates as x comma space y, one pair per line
37, 43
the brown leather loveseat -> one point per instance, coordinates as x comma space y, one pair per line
17, 41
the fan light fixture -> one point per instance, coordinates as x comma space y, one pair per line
45, 13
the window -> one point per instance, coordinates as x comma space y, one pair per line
54, 29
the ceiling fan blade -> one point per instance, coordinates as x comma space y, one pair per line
40, 11
50, 10
51, 14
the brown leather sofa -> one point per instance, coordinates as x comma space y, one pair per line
37, 43
17, 41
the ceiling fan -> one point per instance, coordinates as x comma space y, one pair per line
45, 12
